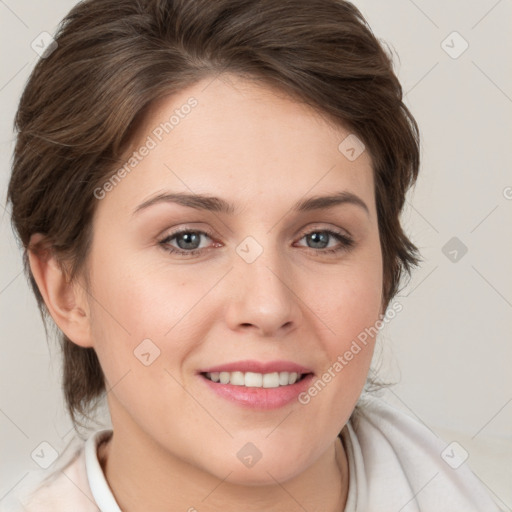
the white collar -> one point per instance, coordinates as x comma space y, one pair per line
97, 482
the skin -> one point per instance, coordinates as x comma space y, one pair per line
175, 442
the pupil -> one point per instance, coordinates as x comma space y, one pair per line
319, 239
190, 241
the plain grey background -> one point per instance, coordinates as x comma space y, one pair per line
450, 348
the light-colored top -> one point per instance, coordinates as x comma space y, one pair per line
395, 464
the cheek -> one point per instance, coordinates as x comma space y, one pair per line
127, 310
350, 309
351, 315
138, 310
350, 301
141, 300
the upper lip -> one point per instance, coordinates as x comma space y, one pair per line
258, 367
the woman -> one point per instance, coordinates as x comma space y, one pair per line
209, 197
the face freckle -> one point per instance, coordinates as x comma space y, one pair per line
266, 293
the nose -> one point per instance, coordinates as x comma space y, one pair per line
260, 295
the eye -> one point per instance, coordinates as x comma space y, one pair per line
321, 241
188, 242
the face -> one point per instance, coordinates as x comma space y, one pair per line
272, 285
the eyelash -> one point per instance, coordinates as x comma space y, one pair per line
346, 242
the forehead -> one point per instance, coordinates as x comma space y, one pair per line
229, 136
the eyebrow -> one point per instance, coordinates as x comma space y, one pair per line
219, 205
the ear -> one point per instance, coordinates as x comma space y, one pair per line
66, 301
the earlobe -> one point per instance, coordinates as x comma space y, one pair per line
66, 301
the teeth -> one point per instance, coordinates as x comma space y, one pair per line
255, 380
270, 380
236, 378
283, 378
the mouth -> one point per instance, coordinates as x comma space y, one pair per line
257, 385
256, 380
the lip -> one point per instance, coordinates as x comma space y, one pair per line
258, 367
259, 398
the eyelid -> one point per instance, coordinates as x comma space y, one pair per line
324, 227
187, 229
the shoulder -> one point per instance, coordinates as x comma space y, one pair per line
408, 466
65, 488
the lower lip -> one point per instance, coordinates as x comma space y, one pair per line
260, 398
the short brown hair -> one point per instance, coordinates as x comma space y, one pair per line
84, 101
